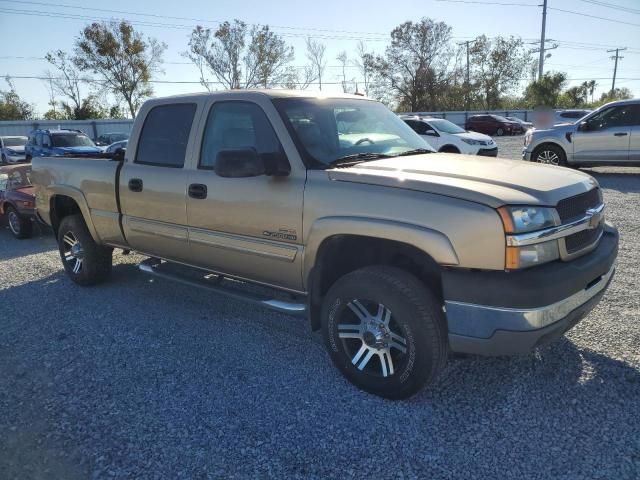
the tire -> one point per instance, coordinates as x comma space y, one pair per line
4, 159
550, 155
86, 262
370, 355
28, 158
21, 227
499, 132
449, 149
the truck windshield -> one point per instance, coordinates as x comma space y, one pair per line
328, 129
15, 141
71, 140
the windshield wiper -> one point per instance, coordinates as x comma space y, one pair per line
356, 158
415, 151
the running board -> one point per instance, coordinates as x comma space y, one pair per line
298, 309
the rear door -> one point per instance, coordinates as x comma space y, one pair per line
249, 227
153, 182
634, 140
606, 138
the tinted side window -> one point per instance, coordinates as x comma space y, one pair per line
234, 126
613, 117
165, 134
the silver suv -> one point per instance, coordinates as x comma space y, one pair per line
608, 136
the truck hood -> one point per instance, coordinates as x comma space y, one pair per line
557, 128
490, 181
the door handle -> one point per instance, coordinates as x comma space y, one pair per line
135, 184
620, 134
198, 191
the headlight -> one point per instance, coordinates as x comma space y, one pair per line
527, 138
531, 255
523, 219
471, 141
11, 152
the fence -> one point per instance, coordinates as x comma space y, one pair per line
93, 128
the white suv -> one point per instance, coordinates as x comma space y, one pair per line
445, 136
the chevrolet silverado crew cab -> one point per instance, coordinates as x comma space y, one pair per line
339, 211
608, 136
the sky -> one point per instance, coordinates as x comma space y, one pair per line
29, 29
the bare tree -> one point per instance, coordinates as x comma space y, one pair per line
344, 60
240, 58
315, 55
363, 61
123, 59
66, 82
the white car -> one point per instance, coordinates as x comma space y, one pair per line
444, 136
12, 149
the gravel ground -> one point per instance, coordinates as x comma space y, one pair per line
151, 379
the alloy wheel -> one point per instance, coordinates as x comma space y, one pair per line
374, 342
548, 157
14, 222
73, 252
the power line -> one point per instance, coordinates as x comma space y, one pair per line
594, 16
142, 14
613, 6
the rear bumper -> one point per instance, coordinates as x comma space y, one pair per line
488, 152
499, 313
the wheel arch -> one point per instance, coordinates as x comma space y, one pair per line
546, 143
449, 148
65, 201
338, 246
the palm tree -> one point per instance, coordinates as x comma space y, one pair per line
590, 86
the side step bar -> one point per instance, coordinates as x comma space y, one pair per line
298, 309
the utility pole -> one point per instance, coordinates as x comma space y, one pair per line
542, 40
615, 57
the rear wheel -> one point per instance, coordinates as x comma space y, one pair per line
549, 154
20, 226
86, 262
384, 331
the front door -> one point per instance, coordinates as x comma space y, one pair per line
249, 227
153, 184
604, 137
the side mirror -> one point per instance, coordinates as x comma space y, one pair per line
431, 133
239, 163
118, 154
584, 127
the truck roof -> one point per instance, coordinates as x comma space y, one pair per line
272, 93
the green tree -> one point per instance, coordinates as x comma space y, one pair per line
611, 96
414, 68
574, 97
497, 66
546, 91
124, 60
12, 107
66, 81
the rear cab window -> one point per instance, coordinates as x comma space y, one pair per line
165, 135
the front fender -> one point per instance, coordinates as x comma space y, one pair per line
77, 196
431, 242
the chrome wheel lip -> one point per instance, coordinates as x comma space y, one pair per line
14, 222
73, 253
548, 157
377, 338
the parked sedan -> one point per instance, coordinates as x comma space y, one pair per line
12, 149
116, 146
444, 136
109, 138
17, 201
490, 124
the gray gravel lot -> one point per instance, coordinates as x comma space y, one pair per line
151, 379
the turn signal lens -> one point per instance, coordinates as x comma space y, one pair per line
531, 255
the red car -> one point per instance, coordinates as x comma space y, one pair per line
492, 125
17, 201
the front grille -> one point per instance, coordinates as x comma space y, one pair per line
488, 152
576, 206
582, 239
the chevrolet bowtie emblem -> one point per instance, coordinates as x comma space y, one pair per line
595, 217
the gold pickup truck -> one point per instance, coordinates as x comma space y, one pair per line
340, 212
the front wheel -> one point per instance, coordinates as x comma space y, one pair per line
385, 331
86, 262
549, 154
500, 132
20, 226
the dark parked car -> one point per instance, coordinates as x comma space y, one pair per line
17, 201
54, 143
109, 138
492, 125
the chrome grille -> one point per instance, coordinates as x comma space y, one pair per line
576, 206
